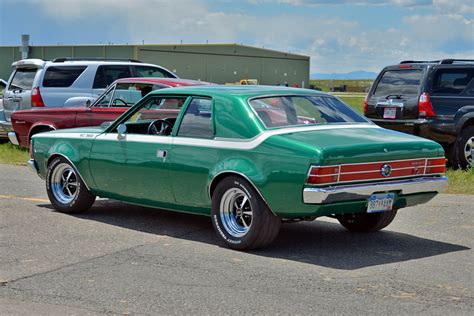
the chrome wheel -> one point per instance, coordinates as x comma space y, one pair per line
236, 212
469, 150
64, 183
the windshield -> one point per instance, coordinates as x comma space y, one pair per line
399, 82
283, 111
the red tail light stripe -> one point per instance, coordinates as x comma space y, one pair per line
373, 171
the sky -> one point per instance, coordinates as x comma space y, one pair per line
339, 35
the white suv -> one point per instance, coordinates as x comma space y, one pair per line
59, 83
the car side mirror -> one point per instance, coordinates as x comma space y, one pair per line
88, 103
121, 130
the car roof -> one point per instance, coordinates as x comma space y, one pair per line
238, 90
172, 82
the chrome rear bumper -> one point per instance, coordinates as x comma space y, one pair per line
13, 139
353, 192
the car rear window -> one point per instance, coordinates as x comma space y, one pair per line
23, 79
399, 82
62, 77
452, 81
283, 111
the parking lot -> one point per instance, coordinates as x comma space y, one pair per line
125, 259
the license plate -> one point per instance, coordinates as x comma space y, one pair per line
380, 202
390, 113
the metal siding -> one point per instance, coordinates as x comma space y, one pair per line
219, 63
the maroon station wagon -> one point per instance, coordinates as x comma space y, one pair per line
117, 99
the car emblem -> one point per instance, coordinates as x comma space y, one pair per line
386, 170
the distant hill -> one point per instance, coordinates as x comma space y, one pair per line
354, 75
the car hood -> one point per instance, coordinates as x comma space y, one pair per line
356, 144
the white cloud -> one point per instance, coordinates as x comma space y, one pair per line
334, 44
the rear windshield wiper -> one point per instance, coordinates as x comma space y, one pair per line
393, 96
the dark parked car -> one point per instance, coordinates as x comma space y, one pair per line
431, 99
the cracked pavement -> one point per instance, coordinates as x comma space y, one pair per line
124, 259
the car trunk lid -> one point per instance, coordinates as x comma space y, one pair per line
353, 143
17, 95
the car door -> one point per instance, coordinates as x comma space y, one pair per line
18, 92
190, 158
134, 165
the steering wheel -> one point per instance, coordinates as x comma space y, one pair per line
160, 127
120, 100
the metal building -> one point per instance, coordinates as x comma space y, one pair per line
218, 63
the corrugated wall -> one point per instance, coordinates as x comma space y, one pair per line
219, 63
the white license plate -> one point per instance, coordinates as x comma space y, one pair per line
390, 113
380, 202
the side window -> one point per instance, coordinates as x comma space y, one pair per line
62, 77
147, 71
127, 94
23, 79
452, 81
149, 118
197, 120
107, 74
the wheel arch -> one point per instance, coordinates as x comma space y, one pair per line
56, 155
228, 173
38, 127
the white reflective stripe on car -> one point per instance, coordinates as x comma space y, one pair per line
226, 143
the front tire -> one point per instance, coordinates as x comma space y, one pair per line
240, 217
366, 222
66, 190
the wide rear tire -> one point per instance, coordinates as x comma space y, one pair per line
240, 217
66, 190
366, 222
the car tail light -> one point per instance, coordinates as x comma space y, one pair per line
365, 103
425, 108
436, 165
36, 99
323, 175
404, 66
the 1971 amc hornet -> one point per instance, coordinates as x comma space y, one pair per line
249, 157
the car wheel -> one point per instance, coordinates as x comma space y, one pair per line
240, 216
366, 222
464, 149
66, 190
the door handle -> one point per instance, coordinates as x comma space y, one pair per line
160, 153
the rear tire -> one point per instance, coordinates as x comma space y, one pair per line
463, 150
240, 217
366, 222
66, 190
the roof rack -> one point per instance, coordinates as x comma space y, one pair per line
454, 61
441, 62
63, 59
420, 62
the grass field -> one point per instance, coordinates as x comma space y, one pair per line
326, 85
12, 154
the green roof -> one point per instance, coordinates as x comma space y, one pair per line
238, 90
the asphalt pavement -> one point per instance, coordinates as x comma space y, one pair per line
124, 259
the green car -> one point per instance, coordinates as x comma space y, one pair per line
249, 157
